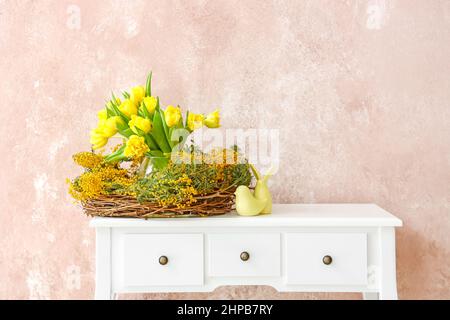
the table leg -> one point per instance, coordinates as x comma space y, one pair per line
388, 278
103, 264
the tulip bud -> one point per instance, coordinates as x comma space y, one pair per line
140, 123
102, 115
137, 94
98, 140
128, 108
150, 104
195, 121
109, 126
213, 120
172, 115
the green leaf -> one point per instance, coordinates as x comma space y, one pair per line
148, 85
158, 133
155, 153
169, 138
126, 132
126, 95
124, 117
121, 126
116, 155
140, 132
186, 121
114, 99
117, 158
159, 162
145, 112
180, 124
157, 104
151, 143
110, 112
141, 112
166, 128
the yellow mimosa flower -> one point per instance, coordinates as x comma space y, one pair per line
98, 140
135, 147
102, 114
150, 104
128, 108
213, 120
195, 121
137, 94
137, 122
172, 115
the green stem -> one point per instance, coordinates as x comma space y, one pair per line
115, 158
143, 167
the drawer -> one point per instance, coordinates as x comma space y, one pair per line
142, 265
305, 262
227, 253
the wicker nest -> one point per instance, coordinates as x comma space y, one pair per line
128, 207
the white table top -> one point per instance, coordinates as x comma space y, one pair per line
283, 215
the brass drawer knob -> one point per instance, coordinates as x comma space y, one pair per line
327, 260
163, 260
245, 256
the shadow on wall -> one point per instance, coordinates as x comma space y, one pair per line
414, 251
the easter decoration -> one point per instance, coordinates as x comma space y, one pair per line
262, 189
152, 172
259, 202
246, 202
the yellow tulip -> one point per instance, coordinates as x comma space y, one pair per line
137, 94
102, 115
128, 108
195, 121
213, 120
140, 123
150, 104
98, 140
172, 115
109, 126
135, 147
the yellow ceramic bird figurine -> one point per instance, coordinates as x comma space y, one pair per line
246, 203
262, 190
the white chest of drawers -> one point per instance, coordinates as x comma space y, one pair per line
324, 247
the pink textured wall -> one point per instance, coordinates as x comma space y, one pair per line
361, 88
